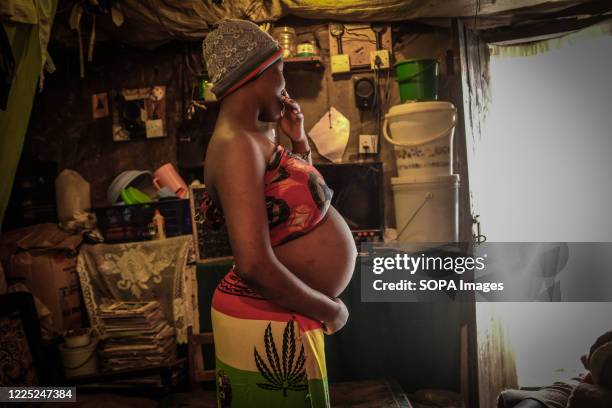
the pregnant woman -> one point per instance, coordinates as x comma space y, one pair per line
293, 252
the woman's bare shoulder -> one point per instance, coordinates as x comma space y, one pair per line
227, 142
229, 148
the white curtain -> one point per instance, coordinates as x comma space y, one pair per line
540, 171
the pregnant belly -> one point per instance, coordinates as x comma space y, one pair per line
324, 258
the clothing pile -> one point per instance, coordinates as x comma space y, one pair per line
138, 335
591, 390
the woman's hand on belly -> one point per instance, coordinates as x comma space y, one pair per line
338, 322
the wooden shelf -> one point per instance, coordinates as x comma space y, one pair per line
301, 63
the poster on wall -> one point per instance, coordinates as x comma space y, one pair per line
99, 105
139, 113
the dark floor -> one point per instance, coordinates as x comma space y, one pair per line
360, 394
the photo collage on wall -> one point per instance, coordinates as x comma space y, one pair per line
139, 113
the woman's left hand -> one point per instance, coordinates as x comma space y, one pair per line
292, 121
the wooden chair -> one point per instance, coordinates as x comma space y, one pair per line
197, 368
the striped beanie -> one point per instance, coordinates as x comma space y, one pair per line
235, 52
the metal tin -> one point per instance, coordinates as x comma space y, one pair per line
307, 49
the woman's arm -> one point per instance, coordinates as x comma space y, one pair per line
303, 149
240, 188
292, 123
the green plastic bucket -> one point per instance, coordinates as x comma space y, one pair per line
418, 79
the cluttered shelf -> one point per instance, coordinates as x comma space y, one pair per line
203, 98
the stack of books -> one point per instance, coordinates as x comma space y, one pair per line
137, 335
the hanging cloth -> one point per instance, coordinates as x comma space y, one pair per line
7, 68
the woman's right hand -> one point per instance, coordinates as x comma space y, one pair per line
338, 321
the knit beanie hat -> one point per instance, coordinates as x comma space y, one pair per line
235, 52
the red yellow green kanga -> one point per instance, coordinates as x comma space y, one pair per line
266, 356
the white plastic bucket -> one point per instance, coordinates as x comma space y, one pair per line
427, 208
80, 360
422, 135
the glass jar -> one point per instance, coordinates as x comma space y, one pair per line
287, 39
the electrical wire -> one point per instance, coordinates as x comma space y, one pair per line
384, 101
388, 89
327, 75
354, 33
378, 101
385, 88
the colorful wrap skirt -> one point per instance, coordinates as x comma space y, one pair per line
266, 356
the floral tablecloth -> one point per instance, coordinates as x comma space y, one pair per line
141, 271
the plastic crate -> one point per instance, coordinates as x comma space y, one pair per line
122, 223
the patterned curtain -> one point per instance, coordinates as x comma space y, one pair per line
142, 271
28, 42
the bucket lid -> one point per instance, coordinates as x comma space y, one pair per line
447, 179
419, 107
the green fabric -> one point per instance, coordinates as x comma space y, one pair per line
25, 43
242, 390
19, 11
